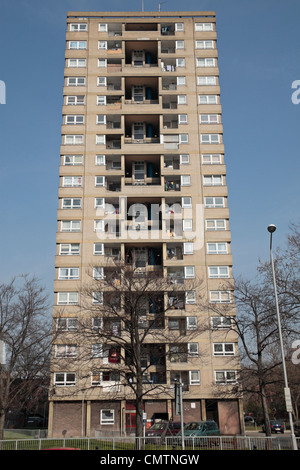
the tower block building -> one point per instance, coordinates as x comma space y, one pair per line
143, 181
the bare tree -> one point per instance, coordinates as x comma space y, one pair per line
126, 314
25, 333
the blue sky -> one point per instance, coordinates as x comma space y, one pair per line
258, 43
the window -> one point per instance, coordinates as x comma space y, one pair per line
96, 378
213, 180
97, 350
217, 248
72, 181
181, 99
74, 119
100, 159
204, 27
102, 63
101, 100
208, 99
210, 139
70, 225
102, 81
179, 44
189, 272
76, 81
220, 296
194, 377
100, 139
190, 297
184, 159
64, 378
68, 273
212, 159
191, 323
77, 45
100, 181
187, 225
66, 324
181, 81
193, 349
185, 180
67, 298
73, 159
98, 272
213, 202
102, 44
99, 225
71, 203
101, 119
102, 28
225, 376
97, 323
179, 26
209, 118
107, 417
69, 249
182, 119
99, 203
223, 349
209, 80
215, 224
205, 62
204, 44
77, 63
98, 248
98, 298
188, 248
180, 62
221, 322
65, 350
78, 26
75, 100
218, 272
186, 202
73, 139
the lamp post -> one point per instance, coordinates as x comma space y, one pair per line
287, 394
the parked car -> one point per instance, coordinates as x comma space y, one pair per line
249, 420
276, 426
163, 428
35, 420
201, 428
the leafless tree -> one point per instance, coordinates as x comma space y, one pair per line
25, 334
126, 314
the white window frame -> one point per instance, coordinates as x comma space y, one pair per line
66, 324
226, 379
179, 44
217, 248
207, 99
209, 80
78, 27
76, 81
209, 118
190, 297
102, 63
75, 100
101, 100
211, 159
97, 298
204, 44
102, 27
77, 45
188, 248
65, 350
191, 323
73, 160
102, 45
210, 139
184, 159
212, 202
100, 160
187, 225
216, 224
71, 249
100, 139
193, 349
205, 62
73, 203
223, 349
71, 273
218, 272
73, 139
189, 272
100, 181
101, 119
186, 204
185, 180
182, 118
98, 272
194, 381
213, 180
220, 297
221, 322
74, 119
102, 81
180, 62
67, 298
67, 381
179, 26
77, 63
181, 81
204, 27
181, 99
72, 227
99, 225
72, 181
109, 421
98, 249
183, 139
99, 204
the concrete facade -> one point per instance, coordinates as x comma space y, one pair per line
142, 124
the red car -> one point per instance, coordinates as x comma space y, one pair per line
163, 428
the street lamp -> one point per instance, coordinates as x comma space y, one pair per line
287, 393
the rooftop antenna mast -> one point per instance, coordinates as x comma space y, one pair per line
159, 4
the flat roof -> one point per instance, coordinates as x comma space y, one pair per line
140, 14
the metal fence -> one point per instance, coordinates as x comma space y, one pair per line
154, 443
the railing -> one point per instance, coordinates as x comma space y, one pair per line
155, 443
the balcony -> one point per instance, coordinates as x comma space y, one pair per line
141, 53
145, 172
